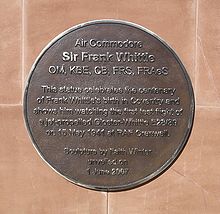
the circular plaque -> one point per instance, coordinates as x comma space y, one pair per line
109, 105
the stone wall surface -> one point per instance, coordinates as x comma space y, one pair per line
191, 185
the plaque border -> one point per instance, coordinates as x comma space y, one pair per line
175, 155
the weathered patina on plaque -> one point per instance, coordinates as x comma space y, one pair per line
109, 105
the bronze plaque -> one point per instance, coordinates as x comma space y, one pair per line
109, 105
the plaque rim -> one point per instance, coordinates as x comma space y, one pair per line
187, 133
